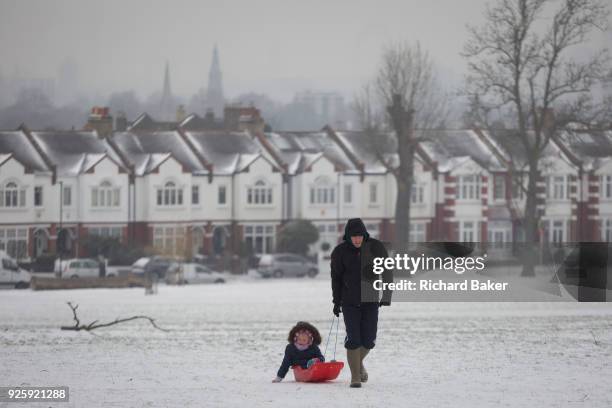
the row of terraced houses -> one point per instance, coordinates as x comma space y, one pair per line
189, 187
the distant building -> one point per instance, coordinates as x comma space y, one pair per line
19, 87
327, 106
215, 100
167, 110
67, 81
235, 118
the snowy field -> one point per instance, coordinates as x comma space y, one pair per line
227, 341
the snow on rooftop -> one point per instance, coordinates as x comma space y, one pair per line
17, 144
135, 144
68, 150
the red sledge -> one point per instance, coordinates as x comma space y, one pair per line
318, 372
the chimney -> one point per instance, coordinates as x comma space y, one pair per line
100, 120
121, 123
241, 118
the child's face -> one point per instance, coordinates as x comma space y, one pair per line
303, 338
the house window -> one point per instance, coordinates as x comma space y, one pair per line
12, 196
468, 231
222, 195
498, 237
15, 242
259, 194
348, 193
107, 232
417, 232
499, 187
557, 231
170, 195
373, 193
606, 186
323, 192
417, 193
557, 187
67, 196
606, 230
105, 196
260, 238
38, 196
169, 240
468, 187
195, 195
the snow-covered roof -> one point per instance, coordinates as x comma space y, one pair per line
371, 149
300, 149
229, 152
513, 147
4, 157
17, 144
196, 122
450, 148
145, 123
590, 147
72, 152
144, 149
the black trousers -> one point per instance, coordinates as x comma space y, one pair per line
361, 324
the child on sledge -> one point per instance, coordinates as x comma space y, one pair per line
303, 349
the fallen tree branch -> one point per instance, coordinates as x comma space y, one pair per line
91, 326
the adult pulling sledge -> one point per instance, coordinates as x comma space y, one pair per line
352, 276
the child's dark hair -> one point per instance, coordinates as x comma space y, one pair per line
316, 337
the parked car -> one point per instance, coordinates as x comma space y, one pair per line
156, 265
78, 268
11, 274
281, 265
196, 273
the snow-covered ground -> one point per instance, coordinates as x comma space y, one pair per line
227, 342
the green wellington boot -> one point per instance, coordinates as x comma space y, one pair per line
363, 372
354, 361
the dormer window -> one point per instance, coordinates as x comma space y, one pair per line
322, 192
468, 187
557, 188
105, 196
170, 195
12, 195
259, 193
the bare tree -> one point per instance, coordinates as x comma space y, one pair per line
404, 96
522, 60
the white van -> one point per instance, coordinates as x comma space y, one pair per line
78, 268
11, 274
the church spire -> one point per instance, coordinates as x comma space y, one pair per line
166, 108
214, 93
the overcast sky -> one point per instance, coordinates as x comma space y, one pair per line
271, 46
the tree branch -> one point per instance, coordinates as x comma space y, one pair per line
92, 326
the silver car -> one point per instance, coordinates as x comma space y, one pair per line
281, 265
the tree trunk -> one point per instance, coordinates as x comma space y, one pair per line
531, 220
403, 123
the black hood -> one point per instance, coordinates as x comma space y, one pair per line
355, 226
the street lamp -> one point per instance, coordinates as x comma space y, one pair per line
57, 235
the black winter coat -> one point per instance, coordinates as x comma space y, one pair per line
352, 268
295, 356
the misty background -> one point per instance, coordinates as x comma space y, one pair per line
59, 58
